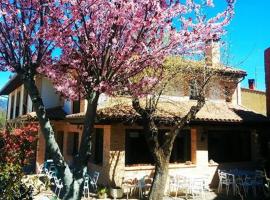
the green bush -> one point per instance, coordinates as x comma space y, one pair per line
16, 149
11, 186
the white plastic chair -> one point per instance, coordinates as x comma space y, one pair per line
179, 183
227, 180
58, 186
129, 186
93, 180
41, 169
173, 185
197, 187
145, 185
86, 187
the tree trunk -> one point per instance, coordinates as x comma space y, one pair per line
75, 190
73, 182
160, 179
86, 140
161, 153
48, 133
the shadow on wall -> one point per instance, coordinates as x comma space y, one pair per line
115, 157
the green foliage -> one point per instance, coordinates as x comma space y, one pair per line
16, 149
2, 119
102, 192
11, 186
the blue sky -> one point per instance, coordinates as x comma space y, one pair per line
248, 36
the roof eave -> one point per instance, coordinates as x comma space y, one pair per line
12, 84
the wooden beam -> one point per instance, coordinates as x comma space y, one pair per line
194, 145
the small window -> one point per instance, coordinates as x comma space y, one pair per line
193, 88
73, 143
76, 106
98, 146
60, 140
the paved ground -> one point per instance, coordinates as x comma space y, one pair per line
209, 196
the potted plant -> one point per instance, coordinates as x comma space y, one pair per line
102, 193
116, 192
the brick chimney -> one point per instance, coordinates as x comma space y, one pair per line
267, 78
212, 52
251, 84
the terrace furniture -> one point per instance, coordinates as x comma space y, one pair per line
58, 186
226, 179
145, 185
141, 186
86, 187
248, 183
241, 180
129, 186
197, 187
193, 184
173, 185
93, 180
177, 183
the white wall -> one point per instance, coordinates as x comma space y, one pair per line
48, 94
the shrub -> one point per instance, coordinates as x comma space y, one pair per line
16, 150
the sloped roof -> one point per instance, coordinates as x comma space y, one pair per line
12, 84
56, 113
168, 111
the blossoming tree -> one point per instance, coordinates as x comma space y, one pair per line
103, 46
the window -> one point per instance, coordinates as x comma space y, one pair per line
12, 106
76, 106
193, 88
181, 151
60, 140
73, 143
229, 146
18, 100
137, 150
98, 146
